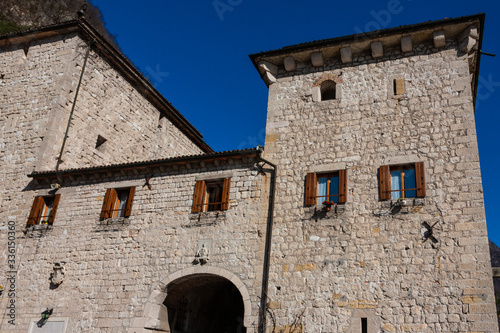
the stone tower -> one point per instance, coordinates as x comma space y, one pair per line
379, 221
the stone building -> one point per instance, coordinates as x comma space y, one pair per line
363, 213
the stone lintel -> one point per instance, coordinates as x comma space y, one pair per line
377, 50
289, 63
439, 38
346, 54
317, 59
406, 44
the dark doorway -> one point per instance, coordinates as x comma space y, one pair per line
204, 303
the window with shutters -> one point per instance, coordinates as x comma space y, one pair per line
43, 210
330, 186
211, 195
117, 202
402, 181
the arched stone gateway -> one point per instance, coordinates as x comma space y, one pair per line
197, 299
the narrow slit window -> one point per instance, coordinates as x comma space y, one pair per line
398, 86
364, 325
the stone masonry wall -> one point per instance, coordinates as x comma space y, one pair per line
369, 260
108, 105
112, 268
29, 92
37, 87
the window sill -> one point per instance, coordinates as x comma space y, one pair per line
408, 206
206, 218
320, 212
114, 220
37, 230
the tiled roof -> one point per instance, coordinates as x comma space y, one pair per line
155, 162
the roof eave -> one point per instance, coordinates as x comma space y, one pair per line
145, 166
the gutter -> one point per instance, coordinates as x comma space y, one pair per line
268, 244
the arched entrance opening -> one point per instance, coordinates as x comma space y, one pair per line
204, 303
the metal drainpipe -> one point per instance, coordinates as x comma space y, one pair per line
73, 106
267, 250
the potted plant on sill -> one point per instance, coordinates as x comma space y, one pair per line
401, 202
328, 205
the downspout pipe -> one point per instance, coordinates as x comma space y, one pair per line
74, 104
268, 244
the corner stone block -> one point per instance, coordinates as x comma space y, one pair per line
439, 38
317, 59
265, 66
377, 50
406, 44
289, 63
467, 44
346, 54
269, 78
470, 31
157, 297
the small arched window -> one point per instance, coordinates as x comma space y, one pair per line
328, 90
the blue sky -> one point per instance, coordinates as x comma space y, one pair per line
196, 55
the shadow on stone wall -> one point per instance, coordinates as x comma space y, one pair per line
495, 262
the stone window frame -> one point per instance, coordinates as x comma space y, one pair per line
39, 208
112, 201
385, 179
318, 83
311, 188
203, 202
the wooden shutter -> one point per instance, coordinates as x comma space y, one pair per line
109, 200
343, 186
310, 196
385, 182
36, 210
225, 194
130, 200
200, 190
54, 209
420, 179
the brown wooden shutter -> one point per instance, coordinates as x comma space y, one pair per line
225, 194
54, 209
420, 178
385, 182
36, 210
130, 200
310, 196
343, 186
199, 195
106, 204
